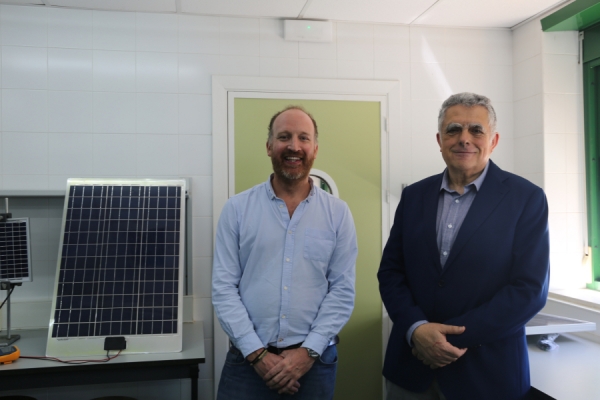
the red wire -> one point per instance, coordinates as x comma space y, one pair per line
107, 359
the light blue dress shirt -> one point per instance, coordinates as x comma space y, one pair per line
452, 210
278, 280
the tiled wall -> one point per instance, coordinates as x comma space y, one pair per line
117, 94
549, 140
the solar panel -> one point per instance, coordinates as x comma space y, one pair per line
120, 267
15, 255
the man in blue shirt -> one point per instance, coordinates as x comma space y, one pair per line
283, 274
465, 267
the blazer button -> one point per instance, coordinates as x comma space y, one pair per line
441, 284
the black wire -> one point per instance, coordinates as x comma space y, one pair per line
12, 288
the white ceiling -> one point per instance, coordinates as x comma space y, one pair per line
464, 13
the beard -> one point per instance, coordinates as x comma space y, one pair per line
291, 174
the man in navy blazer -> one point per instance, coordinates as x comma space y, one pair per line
465, 267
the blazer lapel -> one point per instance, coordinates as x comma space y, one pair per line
489, 196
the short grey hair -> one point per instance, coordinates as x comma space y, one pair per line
468, 100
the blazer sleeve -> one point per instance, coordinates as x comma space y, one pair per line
505, 314
393, 285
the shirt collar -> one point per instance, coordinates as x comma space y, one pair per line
271, 192
476, 183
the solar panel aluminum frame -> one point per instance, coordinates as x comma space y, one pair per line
136, 343
27, 238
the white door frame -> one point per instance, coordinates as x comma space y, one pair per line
226, 88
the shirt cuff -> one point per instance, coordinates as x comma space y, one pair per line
316, 342
249, 344
411, 330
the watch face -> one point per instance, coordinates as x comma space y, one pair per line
312, 353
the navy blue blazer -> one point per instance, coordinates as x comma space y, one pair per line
494, 281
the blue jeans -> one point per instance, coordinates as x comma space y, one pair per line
239, 381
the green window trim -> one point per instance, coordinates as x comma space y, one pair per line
591, 92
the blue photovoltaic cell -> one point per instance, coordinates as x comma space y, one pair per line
119, 268
14, 254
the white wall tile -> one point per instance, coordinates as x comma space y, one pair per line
576, 193
529, 116
156, 113
429, 82
272, 43
529, 155
554, 113
527, 41
315, 68
240, 36
496, 83
195, 155
195, 72
557, 225
555, 154
157, 155
355, 69
279, 67
205, 371
392, 69
391, 42
156, 32
504, 115
111, 159
575, 153
318, 50
24, 67
24, 26
195, 114
554, 186
198, 34
527, 79
69, 154
561, 73
24, 153
202, 236
202, 274
575, 232
573, 112
202, 195
466, 46
70, 28
566, 42
156, 72
114, 30
24, 110
114, 71
354, 41
503, 154
70, 69
498, 46
114, 112
24, 182
428, 45
239, 65
203, 311
70, 111
206, 388
424, 121
463, 79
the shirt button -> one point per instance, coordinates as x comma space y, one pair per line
281, 206
281, 339
457, 201
287, 259
283, 316
449, 225
285, 288
445, 253
290, 232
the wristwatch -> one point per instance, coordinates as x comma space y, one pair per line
312, 354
